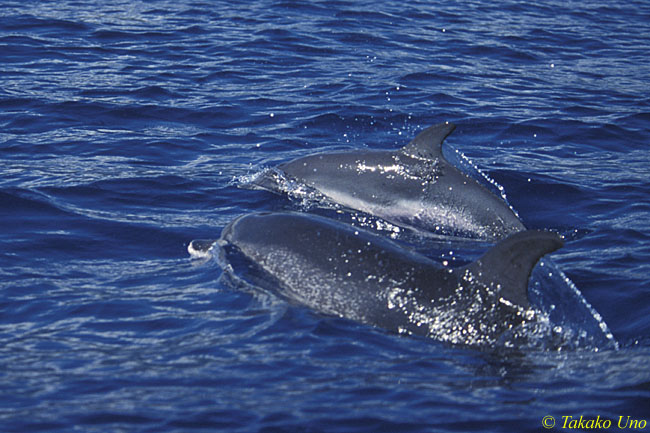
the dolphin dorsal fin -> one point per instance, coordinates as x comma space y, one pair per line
428, 143
510, 262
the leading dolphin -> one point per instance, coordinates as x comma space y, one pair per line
338, 269
413, 186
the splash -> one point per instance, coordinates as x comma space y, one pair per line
274, 179
566, 311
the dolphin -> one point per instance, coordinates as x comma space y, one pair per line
414, 186
340, 270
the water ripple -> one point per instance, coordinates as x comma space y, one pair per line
123, 129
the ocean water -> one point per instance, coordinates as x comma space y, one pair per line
126, 129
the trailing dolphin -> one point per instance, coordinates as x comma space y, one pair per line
338, 269
413, 186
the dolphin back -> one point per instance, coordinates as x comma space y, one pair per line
428, 143
413, 187
509, 263
348, 272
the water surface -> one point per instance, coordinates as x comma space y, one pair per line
125, 128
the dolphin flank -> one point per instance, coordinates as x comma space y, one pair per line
414, 186
341, 270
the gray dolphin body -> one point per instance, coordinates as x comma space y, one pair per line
337, 269
413, 186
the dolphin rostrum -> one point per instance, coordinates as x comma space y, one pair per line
413, 186
341, 270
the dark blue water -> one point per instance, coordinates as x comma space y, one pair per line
125, 128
